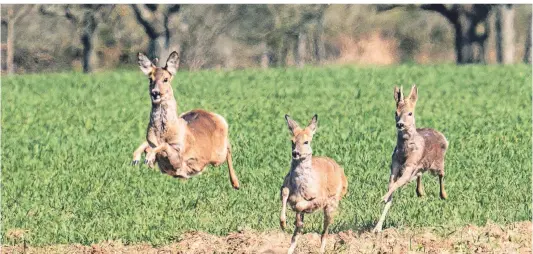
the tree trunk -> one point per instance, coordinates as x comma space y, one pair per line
319, 48
157, 47
482, 43
464, 48
527, 50
87, 40
10, 41
284, 52
264, 57
88, 48
300, 51
505, 47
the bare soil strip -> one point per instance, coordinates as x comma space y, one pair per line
492, 238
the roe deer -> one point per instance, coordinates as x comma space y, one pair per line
416, 151
181, 145
312, 182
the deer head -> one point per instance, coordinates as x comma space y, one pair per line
160, 78
405, 108
301, 138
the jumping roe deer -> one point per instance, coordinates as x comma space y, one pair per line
312, 182
181, 145
416, 151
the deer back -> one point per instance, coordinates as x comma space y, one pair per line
206, 134
435, 146
333, 179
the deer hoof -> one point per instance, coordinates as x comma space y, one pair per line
135, 163
150, 158
282, 224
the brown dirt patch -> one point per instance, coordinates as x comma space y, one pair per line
492, 238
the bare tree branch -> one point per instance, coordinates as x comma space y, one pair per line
23, 12
54, 10
441, 8
173, 8
386, 7
142, 18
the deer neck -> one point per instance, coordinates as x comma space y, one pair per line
406, 138
303, 165
164, 114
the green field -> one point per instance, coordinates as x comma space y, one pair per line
67, 141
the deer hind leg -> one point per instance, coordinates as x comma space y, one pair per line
328, 219
144, 147
443, 194
419, 187
299, 224
232, 176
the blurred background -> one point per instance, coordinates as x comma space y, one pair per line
88, 38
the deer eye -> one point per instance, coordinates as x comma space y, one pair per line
306, 143
166, 80
410, 113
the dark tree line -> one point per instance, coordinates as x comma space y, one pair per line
465, 19
85, 18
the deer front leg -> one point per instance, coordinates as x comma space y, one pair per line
328, 219
419, 187
150, 156
138, 152
404, 179
379, 225
305, 205
299, 223
284, 197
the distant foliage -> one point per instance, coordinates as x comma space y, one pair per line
251, 36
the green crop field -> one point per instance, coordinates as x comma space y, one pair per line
67, 141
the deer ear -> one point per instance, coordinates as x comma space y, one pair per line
313, 124
146, 65
398, 96
173, 62
413, 95
293, 125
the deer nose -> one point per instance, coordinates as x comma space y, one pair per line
155, 92
399, 125
295, 154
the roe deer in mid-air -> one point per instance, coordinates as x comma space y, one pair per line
312, 183
416, 151
181, 145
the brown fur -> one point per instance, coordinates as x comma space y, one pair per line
312, 183
416, 151
182, 146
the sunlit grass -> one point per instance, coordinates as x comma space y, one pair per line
67, 141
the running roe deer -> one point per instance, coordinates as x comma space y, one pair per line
312, 183
416, 151
181, 145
